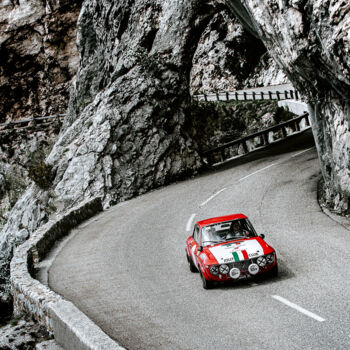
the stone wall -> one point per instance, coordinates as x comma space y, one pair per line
71, 328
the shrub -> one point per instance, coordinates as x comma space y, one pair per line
41, 173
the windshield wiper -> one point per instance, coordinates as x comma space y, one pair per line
211, 241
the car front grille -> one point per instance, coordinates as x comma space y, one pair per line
242, 265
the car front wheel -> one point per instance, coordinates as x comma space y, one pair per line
206, 284
273, 272
191, 264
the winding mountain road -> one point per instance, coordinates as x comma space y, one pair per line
126, 268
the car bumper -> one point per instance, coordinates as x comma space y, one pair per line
244, 273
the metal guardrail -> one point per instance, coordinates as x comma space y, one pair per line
221, 153
25, 123
249, 96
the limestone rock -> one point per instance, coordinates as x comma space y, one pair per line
311, 41
39, 57
229, 58
125, 132
22, 333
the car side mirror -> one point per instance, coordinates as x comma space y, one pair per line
200, 248
262, 236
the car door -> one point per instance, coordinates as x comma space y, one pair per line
195, 244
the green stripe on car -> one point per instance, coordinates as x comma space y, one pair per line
235, 255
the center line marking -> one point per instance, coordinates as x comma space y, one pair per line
258, 171
189, 222
211, 197
305, 150
298, 308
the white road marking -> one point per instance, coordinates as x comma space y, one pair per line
258, 171
305, 150
298, 308
249, 175
211, 197
189, 222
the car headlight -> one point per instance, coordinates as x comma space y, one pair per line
253, 269
235, 273
270, 258
214, 270
261, 261
224, 269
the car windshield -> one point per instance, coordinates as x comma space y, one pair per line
228, 230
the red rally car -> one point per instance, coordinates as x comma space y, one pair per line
228, 248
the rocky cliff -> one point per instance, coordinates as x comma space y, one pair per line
128, 122
126, 129
39, 57
228, 58
310, 40
129, 126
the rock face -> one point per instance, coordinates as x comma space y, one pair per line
22, 333
126, 129
20, 150
39, 57
311, 41
229, 58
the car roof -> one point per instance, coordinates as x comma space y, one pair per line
220, 219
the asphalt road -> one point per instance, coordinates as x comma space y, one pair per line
126, 268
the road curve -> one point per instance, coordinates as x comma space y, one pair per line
126, 268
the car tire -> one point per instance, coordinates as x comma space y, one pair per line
191, 264
274, 271
206, 284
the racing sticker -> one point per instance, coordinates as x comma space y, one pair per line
237, 251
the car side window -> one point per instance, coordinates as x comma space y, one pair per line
196, 234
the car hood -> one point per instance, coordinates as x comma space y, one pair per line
237, 251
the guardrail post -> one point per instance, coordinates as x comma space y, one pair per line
217, 97
286, 94
291, 94
236, 95
245, 96
222, 154
297, 127
278, 95
210, 158
284, 132
265, 138
296, 95
270, 95
307, 121
227, 97
253, 95
262, 94
205, 97
245, 147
